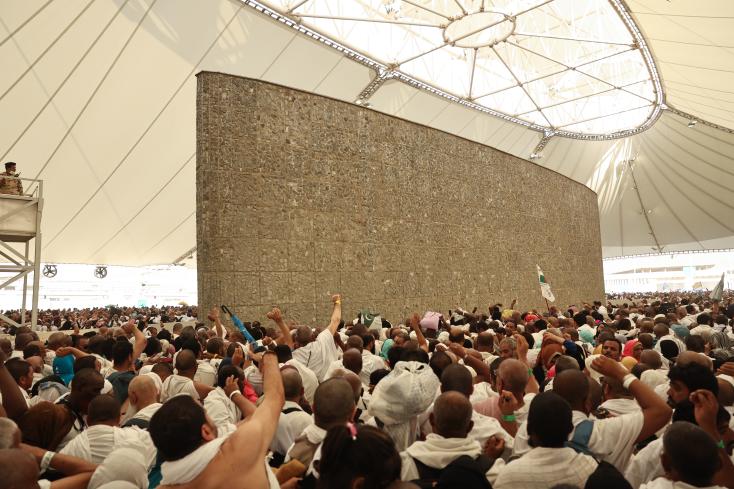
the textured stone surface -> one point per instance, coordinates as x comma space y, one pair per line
301, 196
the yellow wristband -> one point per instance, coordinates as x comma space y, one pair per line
338, 303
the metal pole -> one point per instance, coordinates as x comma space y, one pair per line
37, 260
25, 285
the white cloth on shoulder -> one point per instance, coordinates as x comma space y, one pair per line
124, 464
436, 452
97, 442
189, 467
176, 385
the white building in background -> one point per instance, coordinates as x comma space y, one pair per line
76, 286
670, 271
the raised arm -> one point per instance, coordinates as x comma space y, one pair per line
246, 407
336, 314
415, 324
481, 368
655, 410
285, 334
62, 351
13, 401
261, 426
706, 407
214, 317
522, 355
131, 328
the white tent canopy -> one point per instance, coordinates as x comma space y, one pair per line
98, 98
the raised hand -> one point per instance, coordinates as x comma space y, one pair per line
705, 408
508, 403
231, 385
276, 315
238, 356
608, 367
494, 446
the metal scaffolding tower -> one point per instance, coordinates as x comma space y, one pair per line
20, 223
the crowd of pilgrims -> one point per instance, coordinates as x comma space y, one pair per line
629, 394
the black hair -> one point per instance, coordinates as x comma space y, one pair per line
692, 453
104, 407
17, 367
164, 334
153, 347
31, 351
377, 375
89, 361
193, 345
694, 376
529, 338
695, 343
176, 428
371, 454
228, 371
414, 356
121, 351
284, 353
394, 354
550, 406
439, 361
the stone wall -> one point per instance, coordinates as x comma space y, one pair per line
300, 196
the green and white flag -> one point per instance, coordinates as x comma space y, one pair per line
718, 291
544, 287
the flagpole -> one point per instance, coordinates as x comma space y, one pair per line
546, 304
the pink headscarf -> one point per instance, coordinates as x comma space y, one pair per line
628, 347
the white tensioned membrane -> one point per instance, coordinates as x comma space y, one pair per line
630, 98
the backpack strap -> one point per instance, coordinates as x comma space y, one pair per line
581, 437
140, 423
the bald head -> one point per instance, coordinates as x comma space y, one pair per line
104, 409
142, 392
22, 340
292, 384
565, 362
660, 330
688, 357
352, 360
333, 403
457, 378
573, 386
689, 454
355, 341
651, 358
186, 363
19, 469
58, 339
451, 417
303, 335
485, 341
513, 374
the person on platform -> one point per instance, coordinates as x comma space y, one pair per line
9, 182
